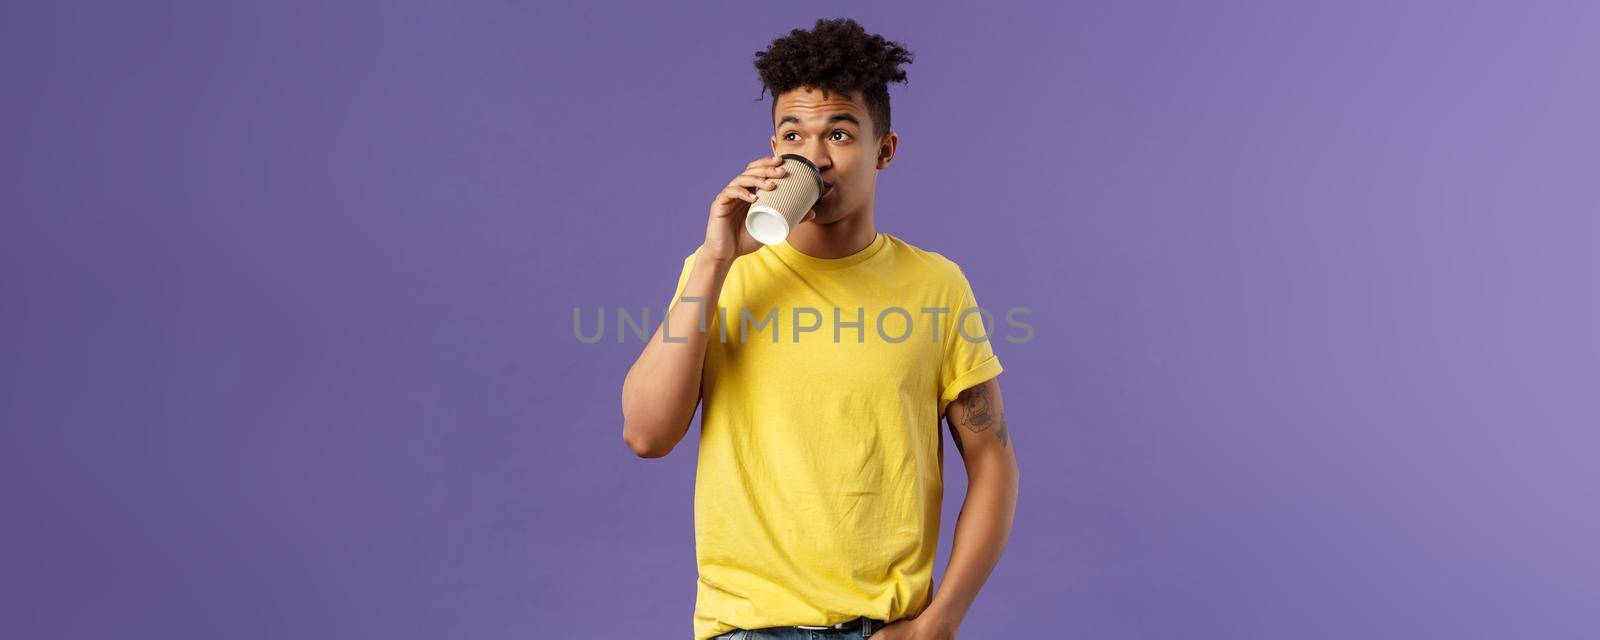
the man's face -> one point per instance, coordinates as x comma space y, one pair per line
835, 133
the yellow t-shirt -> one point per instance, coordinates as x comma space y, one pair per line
820, 477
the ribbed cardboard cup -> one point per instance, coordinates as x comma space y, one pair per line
776, 212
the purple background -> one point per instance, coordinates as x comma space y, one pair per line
288, 291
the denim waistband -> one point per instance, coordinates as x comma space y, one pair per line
864, 624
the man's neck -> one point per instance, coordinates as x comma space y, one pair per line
838, 240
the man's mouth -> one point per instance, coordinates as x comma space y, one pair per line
827, 188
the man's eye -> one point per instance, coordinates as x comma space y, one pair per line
786, 136
841, 131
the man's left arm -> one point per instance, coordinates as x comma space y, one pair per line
977, 423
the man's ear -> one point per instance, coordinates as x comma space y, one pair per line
886, 149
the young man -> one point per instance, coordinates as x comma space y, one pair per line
819, 481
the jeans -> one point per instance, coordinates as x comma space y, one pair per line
798, 633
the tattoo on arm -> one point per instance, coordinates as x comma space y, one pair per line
981, 414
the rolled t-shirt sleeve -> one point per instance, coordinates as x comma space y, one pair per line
683, 280
969, 357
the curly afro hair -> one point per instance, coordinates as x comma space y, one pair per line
835, 55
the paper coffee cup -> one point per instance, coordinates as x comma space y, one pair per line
776, 212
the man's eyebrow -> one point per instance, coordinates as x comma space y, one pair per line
837, 117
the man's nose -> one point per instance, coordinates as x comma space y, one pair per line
818, 155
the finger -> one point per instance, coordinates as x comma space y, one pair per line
765, 172
754, 182
730, 194
726, 197
771, 161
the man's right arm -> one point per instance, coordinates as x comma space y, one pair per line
663, 385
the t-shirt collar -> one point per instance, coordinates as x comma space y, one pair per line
793, 256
